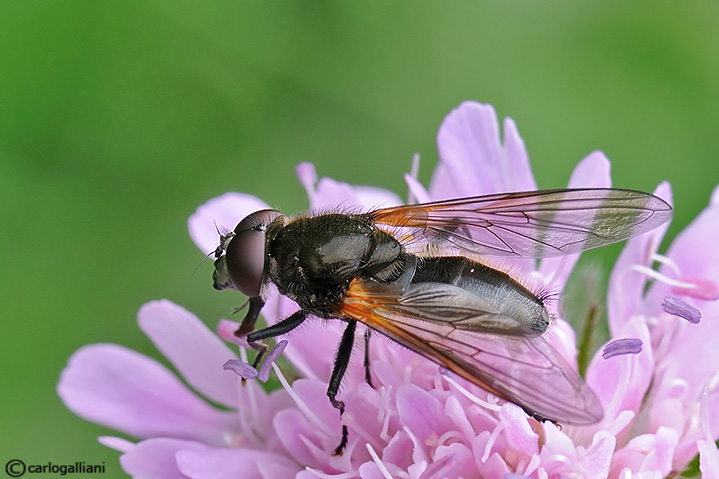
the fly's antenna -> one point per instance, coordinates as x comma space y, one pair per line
222, 247
203, 260
225, 236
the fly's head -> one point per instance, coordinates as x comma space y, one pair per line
241, 254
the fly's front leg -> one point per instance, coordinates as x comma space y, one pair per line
284, 326
255, 305
341, 362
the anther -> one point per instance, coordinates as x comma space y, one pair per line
619, 347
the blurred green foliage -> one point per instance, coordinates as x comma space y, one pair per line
117, 119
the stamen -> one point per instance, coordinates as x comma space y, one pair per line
264, 374
384, 412
490, 442
558, 458
242, 369
533, 465
698, 288
378, 461
301, 405
449, 437
695, 287
247, 415
485, 404
659, 276
677, 307
660, 258
622, 346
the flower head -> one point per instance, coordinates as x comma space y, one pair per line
419, 421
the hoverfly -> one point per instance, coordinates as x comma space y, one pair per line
411, 273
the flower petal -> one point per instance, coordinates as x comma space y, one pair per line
596, 460
622, 382
666, 412
472, 160
492, 466
421, 412
124, 390
708, 458
708, 452
196, 352
626, 286
155, 458
519, 433
653, 453
329, 195
694, 249
223, 212
234, 463
695, 252
592, 172
299, 437
116, 443
417, 189
521, 176
451, 460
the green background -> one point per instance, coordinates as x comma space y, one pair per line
117, 119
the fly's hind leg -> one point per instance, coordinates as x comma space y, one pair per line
341, 362
367, 375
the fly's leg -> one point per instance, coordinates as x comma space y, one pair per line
341, 362
253, 312
284, 326
367, 375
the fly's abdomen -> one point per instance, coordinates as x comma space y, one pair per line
483, 298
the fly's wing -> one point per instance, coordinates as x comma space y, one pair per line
531, 225
525, 370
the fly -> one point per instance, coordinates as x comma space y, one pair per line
384, 269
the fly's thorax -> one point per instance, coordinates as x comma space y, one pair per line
313, 259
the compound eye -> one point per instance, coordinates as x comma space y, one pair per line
245, 255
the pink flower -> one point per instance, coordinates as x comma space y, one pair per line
418, 422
